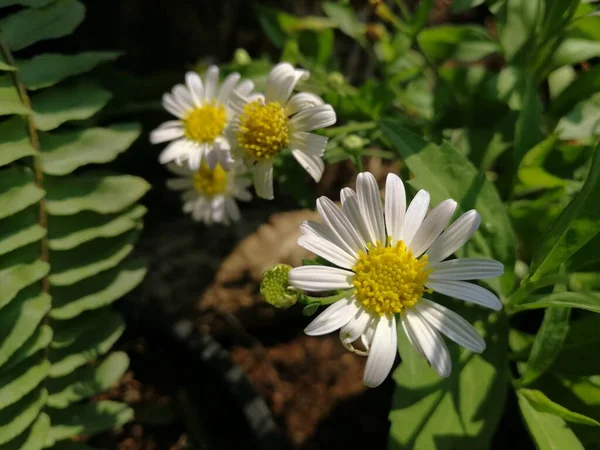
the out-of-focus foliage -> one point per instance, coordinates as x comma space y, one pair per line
66, 231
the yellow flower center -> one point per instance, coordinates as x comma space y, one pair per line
210, 182
389, 279
205, 123
263, 130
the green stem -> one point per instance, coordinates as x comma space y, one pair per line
349, 128
529, 287
326, 300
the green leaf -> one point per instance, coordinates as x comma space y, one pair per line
310, 310
34, 438
15, 419
93, 344
10, 103
89, 259
19, 322
104, 194
53, 107
531, 173
421, 15
573, 50
549, 432
583, 121
14, 141
29, 26
577, 225
447, 174
49, 68
68, 331
87, 381
461, 411
64, 152
582, 341
31, 3
548, 343
40, 340
345, 19
67, 232
581, 300
517, 31
19, 276
88, 419
528, 131
96, 292
17, 191
466, 43
20, 381
543, 404
582, 88
19, 230
6, 67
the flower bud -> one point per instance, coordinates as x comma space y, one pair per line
275, 287
241, 57
353, 142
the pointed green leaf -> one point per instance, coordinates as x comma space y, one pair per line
543, 404
88, 419
96, 292
31, 3
19, 230
49, 68
15, 419
461, 411
576, 226
345, 19
89, 259
23, 379
53, 107
87, 381
549, 432
582, 88
528, 129
67, 332
581, 342
62, 153
446, 174
581, 300
67, 232
17, 191
19, 322
34, 438
10, 103
40, 340
28, 26
19, 276
6, 67
14, 141
103, 194
96, 342
456, 42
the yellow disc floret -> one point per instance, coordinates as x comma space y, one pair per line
210, 182
389, 279
263, 130
205, 123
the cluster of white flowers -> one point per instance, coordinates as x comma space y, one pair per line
225, 133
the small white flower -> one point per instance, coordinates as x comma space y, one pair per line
203, 114
268, 124
210, 195
387, 258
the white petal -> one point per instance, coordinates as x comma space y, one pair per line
352, 212
183, 96
430, 342
232, 209
369, 203
217, 209
281, 82
395, 206
454, 237
382, 352
164, 134
333, 318
172, 106
312, 228
341, 227
309, 119
211, 83
432, 227
195, 154
194, 85
367, 336
302, 101
263, 180
355, 327
313, 164
237, 102
466, 269
466, 291
200, 208
180, 184
179, 170
410, 334
328, 250
320, 278
451, 324
308, 142
415, 213
345, 194
245, 87
172, 151
227, 88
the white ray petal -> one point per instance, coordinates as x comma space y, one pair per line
466, 269
172, 151
454, 237
350, 239
354, 329
301, 101
263, 179
310, 143
281, 82
369, 202
320, 278
211, 83
182, 95
312, 118
352, 211
195, 86
430, 342
395, 207
333, 318
415, 213
164, 134
172, 106
227, 88
328, 250
313, 164
466, 291
432, 227
382, 352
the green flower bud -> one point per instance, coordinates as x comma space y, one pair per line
353, 142
336, 79
241, 57
275, 288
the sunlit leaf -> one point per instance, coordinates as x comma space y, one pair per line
20, 381
543, 404
15, 419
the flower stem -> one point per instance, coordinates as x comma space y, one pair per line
326, 300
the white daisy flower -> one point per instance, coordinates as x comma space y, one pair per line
203, 115
210, 195
388, 258
268, 124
